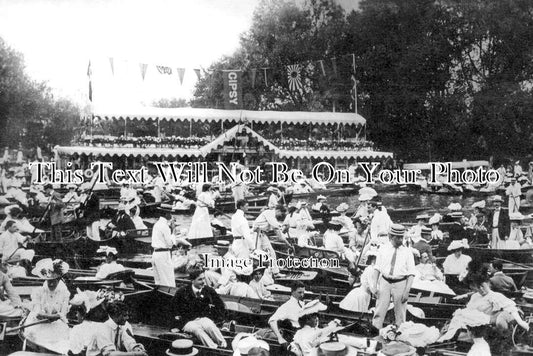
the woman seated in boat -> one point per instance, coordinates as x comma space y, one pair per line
110, 265
415, 232
49, 302
456, 263
357, 240
229, 282
332, 241
134, 213
427, 269
14, 212
501, 310
258, 285
274, 197
516, 236
436, 234
477, 209
358, 299
347, 223
201, 221
455, 213
307, 339
362, 209
10, 303
321, 206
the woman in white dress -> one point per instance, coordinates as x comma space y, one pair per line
358, 299
201, 221
49, 302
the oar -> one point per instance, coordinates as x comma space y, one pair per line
515, 263
28, 325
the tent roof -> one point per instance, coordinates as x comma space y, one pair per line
455, 165
216, 115
128, 151
328, 154
231, 133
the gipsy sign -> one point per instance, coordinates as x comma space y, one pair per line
232, 89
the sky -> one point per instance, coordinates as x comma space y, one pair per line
58, 38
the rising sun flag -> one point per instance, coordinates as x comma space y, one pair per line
294, 77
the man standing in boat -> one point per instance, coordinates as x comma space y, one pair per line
395, 271
55, 210
243, 240
286, 316
267, 222
162, 243
381, 221
514, 191
498, 222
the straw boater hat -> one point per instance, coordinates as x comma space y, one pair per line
435, 219
243, 345
456, 245
182, 347
397, 230
422, 217
497, 198
479, 205
342, 207
335, 349
321, 197
48, 269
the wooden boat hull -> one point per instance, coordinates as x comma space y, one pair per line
487, 254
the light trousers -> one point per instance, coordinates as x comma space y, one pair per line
206, 331
386, 292
163, 269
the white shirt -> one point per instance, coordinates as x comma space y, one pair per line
267, 220
161, 234
272, 201
404, 264
103, 340
454, 265
332, 241
514, 190
9, 243
81, 335
381, 223
496, 217
479, 348
288, 311
240, 226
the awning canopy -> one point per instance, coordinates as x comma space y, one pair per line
455, 165
128, 151
232, 133
216, 115
335, 154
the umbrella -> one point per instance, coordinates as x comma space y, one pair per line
368, 191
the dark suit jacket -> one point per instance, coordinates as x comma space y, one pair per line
503, 223
502, 283
92, 207
124, 222
189, 307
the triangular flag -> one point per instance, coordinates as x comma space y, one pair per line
321, 62
112, 65
143, 69
181, 74
252, 74
197, 71
89, 74
334, 64
265, 71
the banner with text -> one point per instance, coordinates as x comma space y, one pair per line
232, 89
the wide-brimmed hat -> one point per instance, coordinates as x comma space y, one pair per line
454, 206
365, 197
107, 250
313, 307
397, 230
435, 219
244, 345
272, 190
321, 197
342, 207
48, 269
332, 349
497, 198
422, 217
182, 347
88, 298
479, 204
425, 231
516, 216
456, 245
334, 225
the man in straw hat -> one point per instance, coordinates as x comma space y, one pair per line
395, 265
182, 347
197, 307
498, 222
111, 336
381, 221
